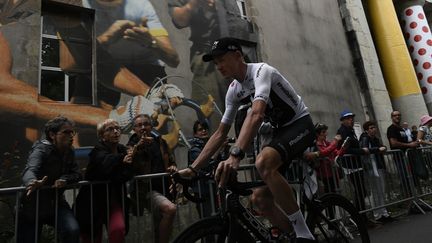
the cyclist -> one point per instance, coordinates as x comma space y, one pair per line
275, 101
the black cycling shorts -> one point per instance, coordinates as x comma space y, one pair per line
292, 140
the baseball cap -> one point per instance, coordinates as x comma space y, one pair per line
346, 113
222, 46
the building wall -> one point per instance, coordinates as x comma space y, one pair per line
307, 43
304, 39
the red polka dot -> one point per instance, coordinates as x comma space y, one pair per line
420, 16
417, 38
409, 12
425, 29
429, 42
422, 51
411, 48
424, 90
419, 76
429, 79
413, 25
407, 35
426, 65
416, 62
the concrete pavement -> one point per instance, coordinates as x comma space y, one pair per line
407, 229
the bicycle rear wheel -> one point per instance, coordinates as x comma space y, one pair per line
207, 230
335, 219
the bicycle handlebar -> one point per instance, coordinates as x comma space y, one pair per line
239, 188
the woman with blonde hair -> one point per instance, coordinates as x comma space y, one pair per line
112, 162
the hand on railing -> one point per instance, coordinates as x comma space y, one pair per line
60, 183
35, 184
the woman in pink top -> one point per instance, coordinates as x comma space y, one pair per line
328, 151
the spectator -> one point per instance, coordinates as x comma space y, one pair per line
109, 161
414, 132
327, 151
407, 132
399, 140
396, 134
353, 166
369, 140
424, 135
51, 163
197, 143
152, 156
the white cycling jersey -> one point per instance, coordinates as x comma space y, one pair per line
264, 82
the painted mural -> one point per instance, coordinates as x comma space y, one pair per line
93, 59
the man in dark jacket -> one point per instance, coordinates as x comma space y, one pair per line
51, 163
376, 169
152, 156
352, 165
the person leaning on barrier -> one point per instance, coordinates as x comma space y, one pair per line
109, 161
152, 156
353, 165
51, 163
398, 140
424, 135
327, 151
396, 135
376, 170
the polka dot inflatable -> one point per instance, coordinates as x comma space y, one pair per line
419, 41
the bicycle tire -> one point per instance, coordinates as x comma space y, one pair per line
346, 224
204, 229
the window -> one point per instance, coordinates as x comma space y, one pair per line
66, 65
242, 7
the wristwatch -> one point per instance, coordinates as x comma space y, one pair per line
237, 152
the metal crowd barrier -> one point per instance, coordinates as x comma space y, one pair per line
371, 182
376, 181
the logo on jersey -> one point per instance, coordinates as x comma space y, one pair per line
215, 45
259, 70
287, 93
241, 93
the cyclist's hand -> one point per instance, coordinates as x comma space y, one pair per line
186, 173
225, 169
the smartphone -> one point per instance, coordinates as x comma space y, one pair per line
346, 142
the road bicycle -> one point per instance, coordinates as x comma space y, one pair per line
331, 217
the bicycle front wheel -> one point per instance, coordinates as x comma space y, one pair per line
207, 230
335, 219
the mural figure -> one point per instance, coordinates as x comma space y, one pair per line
207, 20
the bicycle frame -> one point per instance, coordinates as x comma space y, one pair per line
235, 214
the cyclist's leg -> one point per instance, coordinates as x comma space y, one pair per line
268, 162
263, 200
166, 211
287, 143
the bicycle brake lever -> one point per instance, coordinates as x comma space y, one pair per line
187, 183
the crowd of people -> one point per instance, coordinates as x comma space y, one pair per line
51, 164
367, 158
